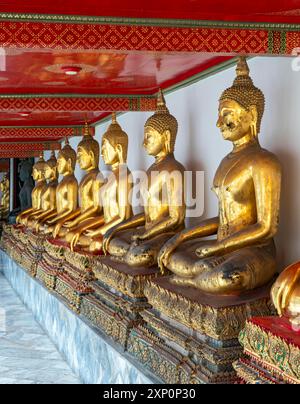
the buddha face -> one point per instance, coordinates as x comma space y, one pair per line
85, 158
37, 174
62, 165
234, 121
49, 172
109, 153
154, 142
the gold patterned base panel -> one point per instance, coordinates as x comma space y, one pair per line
24, 247
73, 281
112, 312
272, 350
33, 252
168, 365
118, 298
127, 280
190, 324
50, 264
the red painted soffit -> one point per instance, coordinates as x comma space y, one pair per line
231, 10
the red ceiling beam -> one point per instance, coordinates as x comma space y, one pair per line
20, 133
14, 150
70, 103
221, 37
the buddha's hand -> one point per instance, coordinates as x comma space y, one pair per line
106, 240
75, 240
210, 249
283, 288
70, 224
166, 252
57, 230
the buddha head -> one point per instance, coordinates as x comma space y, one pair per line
114, 144
4, 184
25, 170
160, 130
88, 151
38, 171
51, 173
66, 160
241, 106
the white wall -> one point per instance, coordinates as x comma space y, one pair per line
200, 145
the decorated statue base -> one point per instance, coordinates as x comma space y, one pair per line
6, 237
118, 298
73, 282
16, 242
51, 263
33, 251
272, 350
192, 337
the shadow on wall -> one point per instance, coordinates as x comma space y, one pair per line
287, 238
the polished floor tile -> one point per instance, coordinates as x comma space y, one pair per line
27, 355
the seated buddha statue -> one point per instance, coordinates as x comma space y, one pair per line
66, 191
48, 203
138, 240
4, 206
38, 174
286, 295
247, 183
88, 154
114, 195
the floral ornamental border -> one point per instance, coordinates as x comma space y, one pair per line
67, 102
14, 133
271, 351
89, 33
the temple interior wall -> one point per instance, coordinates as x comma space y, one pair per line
200, 145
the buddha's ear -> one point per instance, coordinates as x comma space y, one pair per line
254, 114
167, 135
253, 111
92, 155
69, 163
120, 152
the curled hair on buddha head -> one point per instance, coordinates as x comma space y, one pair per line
90, 144
68, 153
162, 120
116, 136
245, 93
40, 164
52, 162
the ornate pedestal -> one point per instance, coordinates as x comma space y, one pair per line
73, 282
33, 251
51, 263
118, 298
191, 337
17, 243
272, 350
6, 237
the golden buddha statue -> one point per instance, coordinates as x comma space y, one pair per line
66, 191
4, 205
38, 174
286, 294
48, 202
138, 240
114, 196
88, 154
247, 184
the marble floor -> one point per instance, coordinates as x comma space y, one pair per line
27, 355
